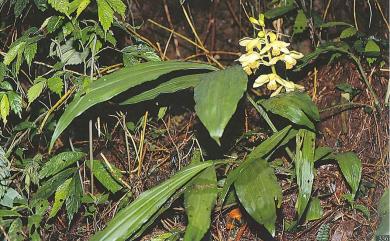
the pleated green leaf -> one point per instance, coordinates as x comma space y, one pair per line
217, 97
351, 167
132, 218
199, 200
257, 189
113, 84
304, 168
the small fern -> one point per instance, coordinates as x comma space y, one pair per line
323, 232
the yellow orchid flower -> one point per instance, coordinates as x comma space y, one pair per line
250, 43
273, 81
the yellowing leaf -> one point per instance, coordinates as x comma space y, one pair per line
105, 14
83, 5
4, 108
35, 91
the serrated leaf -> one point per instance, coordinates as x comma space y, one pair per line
4, 108
101, 172
257, 189
304, 168
15, 102
3, 71
348, 32
29, 52
20, 5
60, 5
300, 24
105, 14
295, 106
216, 98
118, 6
261, 151
51, 185
61, 194
12, 53
82, 6
54, 23
4, 174
41, 4
59, 162
351, 167
314, 210
55, 84
202, 190
35, 90
113, 84
130, 219
73, 201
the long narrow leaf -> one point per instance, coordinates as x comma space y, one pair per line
171, 86
113, 84
131, 219
304, 168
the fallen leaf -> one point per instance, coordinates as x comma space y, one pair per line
344, 231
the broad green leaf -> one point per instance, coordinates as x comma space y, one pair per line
351, 167
130, 219
300, 24
216, 98
295, 106
118, 6
51, 185
61, 194
314, 210
101, 172
261, 151
348, 32
113, 84
35, 91
323, 152
55, 84
15, 102
171, 86
304, 168
59, 162
60, 5
73, 201
105, 14
29, 52
199, 200
257, 189
4, 108
12, 53
384, 214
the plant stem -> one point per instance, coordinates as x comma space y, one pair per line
269, 122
